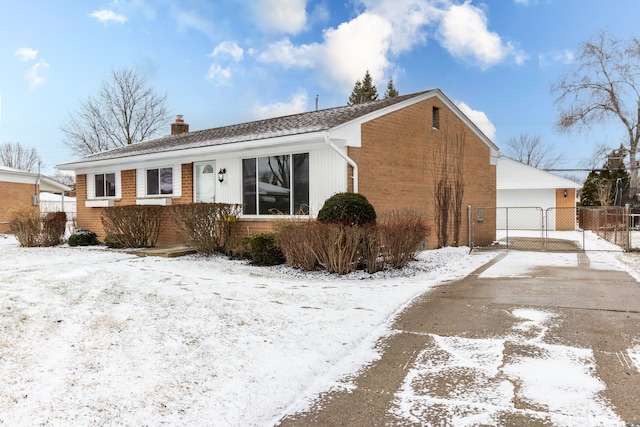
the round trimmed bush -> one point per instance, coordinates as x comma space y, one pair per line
350, 209
83, 238
265, 250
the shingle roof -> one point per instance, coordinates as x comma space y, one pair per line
296, 124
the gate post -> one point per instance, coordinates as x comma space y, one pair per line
469, 227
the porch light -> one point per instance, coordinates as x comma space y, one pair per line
222, 171
565, 193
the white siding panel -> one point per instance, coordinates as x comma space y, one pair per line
229, 191
327, 176
140, 183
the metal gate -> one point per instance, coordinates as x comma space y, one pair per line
553, 229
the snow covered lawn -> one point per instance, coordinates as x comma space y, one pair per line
93, 337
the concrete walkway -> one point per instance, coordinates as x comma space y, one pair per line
598, 310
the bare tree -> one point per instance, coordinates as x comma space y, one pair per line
64, 178
124, 111
604, 85
530, 150
17, 156
603, 191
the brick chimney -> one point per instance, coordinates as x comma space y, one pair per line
179, 126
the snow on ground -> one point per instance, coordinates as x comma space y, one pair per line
468, 382
94, 337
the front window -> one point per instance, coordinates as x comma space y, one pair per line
159, 181
105, 185
276, 184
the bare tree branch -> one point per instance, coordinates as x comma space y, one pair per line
124, 111
531, 151
17, 156
604, 86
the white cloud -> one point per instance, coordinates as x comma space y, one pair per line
297, 104
219, 75
545, 60
280, 16
356, 46
463, 32
26, 54
480, 119
228, 49
283, 52
388, 28
34, 74
105, 15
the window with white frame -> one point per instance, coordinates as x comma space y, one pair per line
159, 181
276, 184
104, 185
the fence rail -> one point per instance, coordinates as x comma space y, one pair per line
554, 229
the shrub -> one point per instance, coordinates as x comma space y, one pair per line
31, 229
26, 225
336, 247
53, 227
83, 238
265, 251
207, 227
116, 241
132, 226
402, 231
239, 248
296, 240
348, 209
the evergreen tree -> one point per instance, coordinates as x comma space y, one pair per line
363, 91
391, 92
610, 185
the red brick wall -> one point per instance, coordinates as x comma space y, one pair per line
565, 212
396, 163
91, 218
13, 196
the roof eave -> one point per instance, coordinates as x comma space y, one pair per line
193, 154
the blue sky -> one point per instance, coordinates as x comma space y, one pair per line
229, 61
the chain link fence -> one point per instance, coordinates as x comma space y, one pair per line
554, 229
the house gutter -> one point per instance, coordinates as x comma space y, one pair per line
349, 160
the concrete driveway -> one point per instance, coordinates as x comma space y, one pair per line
525, 340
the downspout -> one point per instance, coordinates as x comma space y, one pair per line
347, 158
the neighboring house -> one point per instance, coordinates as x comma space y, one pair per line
19, 189
534, 196
290, 165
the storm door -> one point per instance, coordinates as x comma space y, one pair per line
205, 181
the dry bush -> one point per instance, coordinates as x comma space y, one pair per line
336, 247
132, 226
31, 229
402, 232
296, 240
25, 224
53, 228
369, 251
208, 227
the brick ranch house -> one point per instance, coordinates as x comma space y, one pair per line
20, 189
287, 165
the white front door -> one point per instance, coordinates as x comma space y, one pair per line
205, 181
